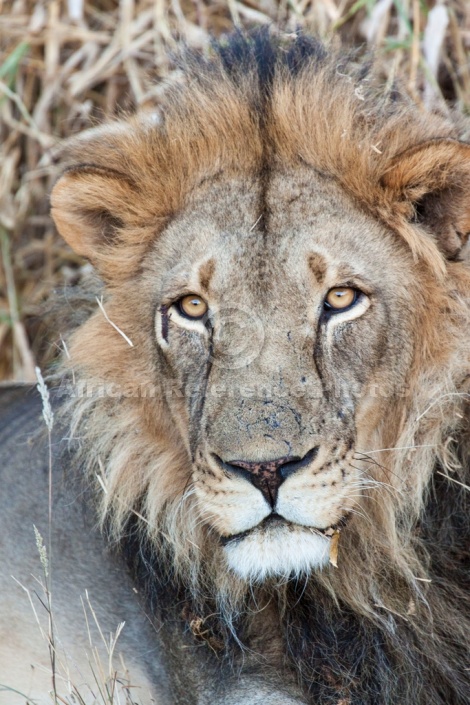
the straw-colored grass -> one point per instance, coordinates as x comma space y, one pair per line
64, 66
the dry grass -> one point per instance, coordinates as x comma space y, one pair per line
66, 65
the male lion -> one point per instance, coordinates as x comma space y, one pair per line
270, 404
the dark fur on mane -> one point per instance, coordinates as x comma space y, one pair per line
339, 656
264, 53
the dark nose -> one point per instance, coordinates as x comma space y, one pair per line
269, 475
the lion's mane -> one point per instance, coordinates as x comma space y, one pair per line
392, 623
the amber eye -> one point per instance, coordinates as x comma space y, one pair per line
192, 306
341, 297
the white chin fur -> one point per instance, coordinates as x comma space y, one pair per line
281, 552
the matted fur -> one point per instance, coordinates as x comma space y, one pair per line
392, 623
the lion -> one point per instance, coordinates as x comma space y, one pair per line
267, 410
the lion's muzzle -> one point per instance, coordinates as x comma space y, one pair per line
266, 476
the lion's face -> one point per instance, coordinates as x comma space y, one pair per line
275, 391
288, 272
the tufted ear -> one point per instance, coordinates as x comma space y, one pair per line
430, 185
90, 207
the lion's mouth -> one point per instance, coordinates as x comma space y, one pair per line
273, 520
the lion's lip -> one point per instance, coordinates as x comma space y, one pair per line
273, 520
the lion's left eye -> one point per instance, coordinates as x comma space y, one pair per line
341, 298
192, 306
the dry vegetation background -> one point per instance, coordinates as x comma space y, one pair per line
66, 65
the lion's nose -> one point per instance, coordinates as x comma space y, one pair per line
267, 476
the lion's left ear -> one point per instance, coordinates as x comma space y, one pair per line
89, 206
430, 185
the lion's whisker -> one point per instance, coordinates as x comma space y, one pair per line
372, 461
358, 512
378, 483
383, 450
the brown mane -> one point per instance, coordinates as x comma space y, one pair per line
329, 113
392, 624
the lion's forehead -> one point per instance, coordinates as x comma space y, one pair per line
268, 233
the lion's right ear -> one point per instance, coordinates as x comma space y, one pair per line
91, 206
430, 185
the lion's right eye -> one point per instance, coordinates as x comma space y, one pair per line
192, 306
340, 298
